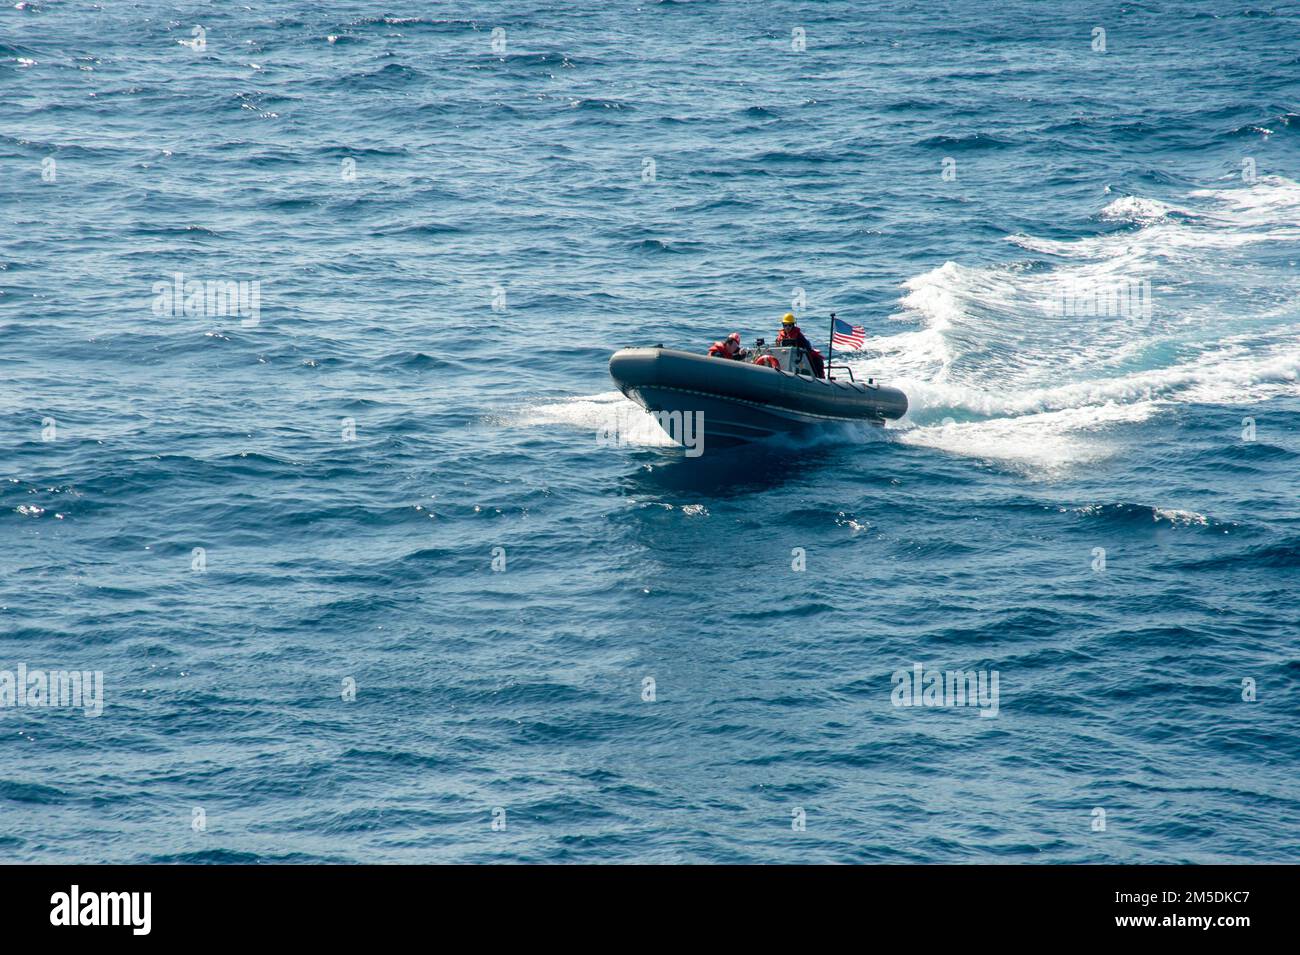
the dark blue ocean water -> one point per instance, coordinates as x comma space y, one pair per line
450, 238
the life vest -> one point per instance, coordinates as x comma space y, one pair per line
724, 349
791, 335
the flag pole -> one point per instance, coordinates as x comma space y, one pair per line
830, 350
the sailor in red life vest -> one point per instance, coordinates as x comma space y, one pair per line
791, 335
729, 347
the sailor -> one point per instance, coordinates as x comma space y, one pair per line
791, 335
729, 347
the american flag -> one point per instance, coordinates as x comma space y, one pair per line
844, 335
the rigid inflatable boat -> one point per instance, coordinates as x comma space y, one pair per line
771, 391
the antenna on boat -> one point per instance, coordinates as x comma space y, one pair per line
830, 350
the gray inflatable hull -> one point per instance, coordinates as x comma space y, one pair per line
739, 402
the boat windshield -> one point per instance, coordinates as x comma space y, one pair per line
790, 359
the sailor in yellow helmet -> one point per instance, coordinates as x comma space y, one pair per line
791, 335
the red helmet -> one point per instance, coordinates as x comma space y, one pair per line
734, 337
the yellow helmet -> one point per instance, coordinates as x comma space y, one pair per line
787, 318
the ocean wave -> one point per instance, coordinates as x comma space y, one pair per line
970, 141
1137, 209
1145, 515
1042, 442
960, 537
992, 342
608, 413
